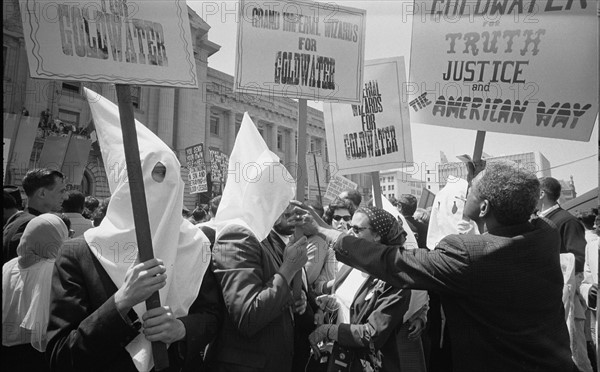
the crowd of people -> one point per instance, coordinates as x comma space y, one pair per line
493, 295
48, 126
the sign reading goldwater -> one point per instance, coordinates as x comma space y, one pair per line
125, 41
511, 66
300, 49
374, 135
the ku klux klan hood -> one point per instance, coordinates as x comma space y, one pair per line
184, 249
259, 187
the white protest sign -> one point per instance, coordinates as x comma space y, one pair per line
127, 42
197, 176
300, 49
522, 67
375, 135
337, 184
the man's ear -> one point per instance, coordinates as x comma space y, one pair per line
542, 194
40, 193
484, 208
377, 237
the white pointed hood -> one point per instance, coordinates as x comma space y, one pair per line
258, 187
184, 249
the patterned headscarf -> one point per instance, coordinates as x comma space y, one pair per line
384, 224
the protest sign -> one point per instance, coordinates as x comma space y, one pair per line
337, 184
128, 42
20, 131
426, 199
376, 134
194, 156
219, 162
300, 49
76, 159
527, 68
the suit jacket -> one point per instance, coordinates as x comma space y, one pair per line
304, 323
12, 232
572, 235
382, 307
86, 331
258, 329
419, 229
79, 224
501, 292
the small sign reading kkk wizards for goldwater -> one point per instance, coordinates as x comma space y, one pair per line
374, 135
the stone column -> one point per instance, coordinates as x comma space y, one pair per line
153, 109
207, 133
293, 145
109, 91
287, 138
189, 128
165, 115
231, 132
273, 145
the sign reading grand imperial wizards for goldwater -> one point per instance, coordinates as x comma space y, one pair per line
300, 49
374, 135
511, 66
115, 41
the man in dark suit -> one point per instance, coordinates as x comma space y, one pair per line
501, 290
572, 240
572, 232
255, 279
45, 190
91, 321
407, 205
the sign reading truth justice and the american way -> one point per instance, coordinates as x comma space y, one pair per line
510, 66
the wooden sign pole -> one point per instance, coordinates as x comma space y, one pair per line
138, 204
477, 152
301, 157
317, 177
376, 189
300, 180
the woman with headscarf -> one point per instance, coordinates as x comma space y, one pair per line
26, 293
370, 313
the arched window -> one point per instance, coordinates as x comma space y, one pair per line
87, 183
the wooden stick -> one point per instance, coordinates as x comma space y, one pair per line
139, 206
376, 189
317, 176
300, 180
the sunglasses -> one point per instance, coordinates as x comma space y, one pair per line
345, 218
358, 229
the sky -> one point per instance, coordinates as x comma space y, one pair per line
388, 34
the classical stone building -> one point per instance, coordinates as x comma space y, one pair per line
210, 115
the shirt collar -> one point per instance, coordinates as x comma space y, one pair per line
284, 238
546, 212
33, 211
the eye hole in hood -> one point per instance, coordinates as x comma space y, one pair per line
159, 172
